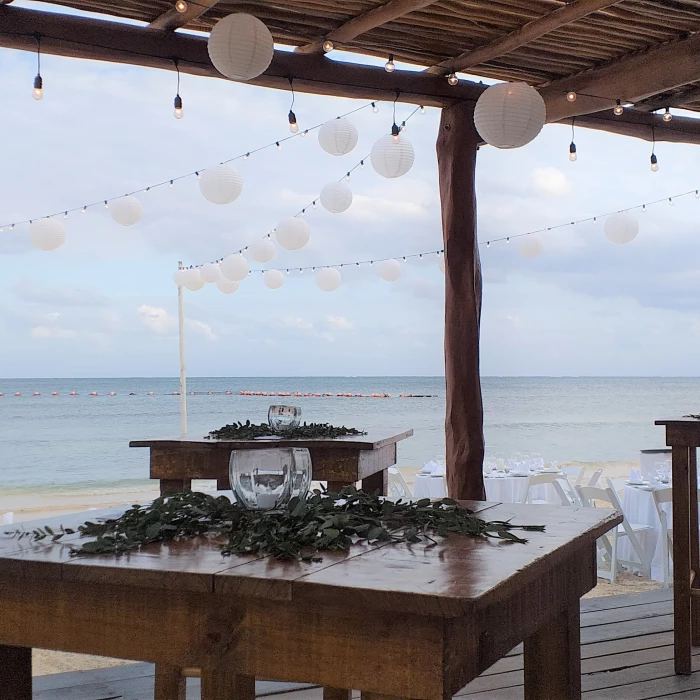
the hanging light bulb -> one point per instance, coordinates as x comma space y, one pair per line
395, 133
488, 245
177, 102
171, 185
619, 109
106, 204
246, 156
422, 109
279, 145
84, 210
667, 115
38, 91
328, 45
389, 66
65, 214
654, 164
304, 133
347, 176
508, 239
572, 152
644, 208
375, 109
181, 6
293, 126
571, 96
362, 165
452, 79
697, 194
595, 219
313, 204
403, 126
670, 202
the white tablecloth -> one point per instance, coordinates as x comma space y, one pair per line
511, 489
429, 486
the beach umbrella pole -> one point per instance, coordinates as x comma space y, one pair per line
183, 363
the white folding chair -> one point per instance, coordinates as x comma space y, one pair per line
575, 473
590, 497
594, 479
537, 480
397, 484
566, 492
664, 496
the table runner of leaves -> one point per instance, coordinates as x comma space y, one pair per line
250, 431
321, 522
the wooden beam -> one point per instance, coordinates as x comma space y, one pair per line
629, 79
171, 20
371, 19
101, 40
523, 35
677, 100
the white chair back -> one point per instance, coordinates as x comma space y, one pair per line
596, 476
397, 484
576, 473
660, 497
537, 480
565, 491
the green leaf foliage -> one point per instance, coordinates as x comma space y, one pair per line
306, 431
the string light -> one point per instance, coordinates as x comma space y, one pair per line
84, 210
508, 239
199, 177
347, 175
571, 96
246, 156
279, 145
328, 45
106, 204
452, 79
670, 202
619, 109
181, 6
171, 185
304, 133
422, 109
572, 145
389, 66
177, 102
595, 220
394, 128
293, 126
362, 165
375, 109
653, 159
644, 208
38, 91
697, 194
65, 214
667, 115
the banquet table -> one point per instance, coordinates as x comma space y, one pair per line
511, 489
410, 621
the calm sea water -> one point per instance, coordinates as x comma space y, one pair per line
77, 442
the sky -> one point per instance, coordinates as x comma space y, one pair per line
104, 304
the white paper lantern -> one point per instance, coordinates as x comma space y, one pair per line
220, 184
227, 286
47, 234
338, 136
263, 250
390, 270
293, 233
509, 115
126, 211
390, 158
192, 280
210, 272
240, 47
180, 277
531, 246
273, 279
336, 197
234, 267
441, 263
621, 228
328, 279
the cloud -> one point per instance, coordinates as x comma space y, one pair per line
52, 333
339, 323
157, 320
297, 322
551, 182
27, 290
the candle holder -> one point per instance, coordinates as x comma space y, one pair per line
283, 418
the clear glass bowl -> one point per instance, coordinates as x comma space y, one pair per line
282, 418
267, 479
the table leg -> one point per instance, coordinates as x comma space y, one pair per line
170, 683
377, 482
15, 673
694, 545
335, 486
681, 560
552, 658
219, 685
175, 485
336, 694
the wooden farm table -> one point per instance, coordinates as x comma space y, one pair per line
339, 461
683, 437
413, 622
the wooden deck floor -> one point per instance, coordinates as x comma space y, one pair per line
627, 654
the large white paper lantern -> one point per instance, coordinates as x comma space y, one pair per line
390, 270
509, 115
293, 233
531, 246
192, 280
210, 272
336, 197
441, 263
621, 228
273, 279
227, 286
126, 211
338, 136
263, 250
180, 277
234, 267
240, 46
47, 234
392, 158
220, 184
328, 279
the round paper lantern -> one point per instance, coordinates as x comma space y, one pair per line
621, 228
328, 279
192, 280
509, 115
293, 233
220, 184
210, 273
227, 286
234, 267
531, 246
47, 234
126, 211
441, 263
338, 136
392, 158
273, 279
390, 270
240, 47
180, 277
336, 197
263, 250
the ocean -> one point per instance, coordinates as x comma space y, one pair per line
80, 442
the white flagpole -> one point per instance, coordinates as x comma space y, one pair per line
183, 364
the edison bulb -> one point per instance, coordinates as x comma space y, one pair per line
181, 6
328, 45
38, 93
667, 115
619, 109
294, 128
654, 167
572, 156
375, 109
571, 96
178, 113
452, 79
389, 66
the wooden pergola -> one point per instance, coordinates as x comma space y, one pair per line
644, 53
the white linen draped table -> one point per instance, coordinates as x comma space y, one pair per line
429, 486
511, 489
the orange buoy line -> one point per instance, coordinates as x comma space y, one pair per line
282, 394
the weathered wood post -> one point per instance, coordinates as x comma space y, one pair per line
457, 145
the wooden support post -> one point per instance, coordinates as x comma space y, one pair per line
15, 673
464, 426
170, 683
379, 481
219, 685
694, 545
174, 485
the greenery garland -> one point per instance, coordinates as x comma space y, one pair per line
250, 431
321, 522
